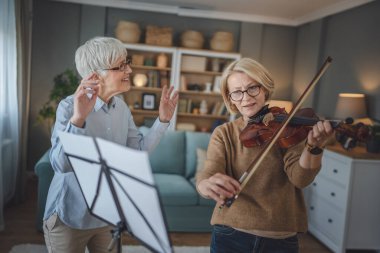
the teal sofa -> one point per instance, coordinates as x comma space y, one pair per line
173, 163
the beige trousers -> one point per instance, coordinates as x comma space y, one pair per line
60, 238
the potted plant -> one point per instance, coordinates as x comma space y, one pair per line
65, 84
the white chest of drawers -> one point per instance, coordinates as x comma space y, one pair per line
343, 202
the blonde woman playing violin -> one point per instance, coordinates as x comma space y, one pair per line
270, 211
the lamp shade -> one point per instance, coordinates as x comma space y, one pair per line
288, 105
350, 105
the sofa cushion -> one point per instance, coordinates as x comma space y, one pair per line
194, 140
169, 155
201, 158
175, 190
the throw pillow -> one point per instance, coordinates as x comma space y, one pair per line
201, 158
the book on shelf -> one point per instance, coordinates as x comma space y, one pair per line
153, 79
164, 79
183, 83
215, 108
217, 84
222, 108
189, 106
219, 108
224, 111
182, 105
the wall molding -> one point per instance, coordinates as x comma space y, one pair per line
233, 16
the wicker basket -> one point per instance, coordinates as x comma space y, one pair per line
192, 39
160, 36
127, 32
222, 41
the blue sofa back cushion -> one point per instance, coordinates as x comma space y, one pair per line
169, 155
194, 140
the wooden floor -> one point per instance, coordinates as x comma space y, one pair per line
20, 228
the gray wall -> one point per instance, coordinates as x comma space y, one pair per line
277, 55
306, 62
54, 38
291, 54
352, 39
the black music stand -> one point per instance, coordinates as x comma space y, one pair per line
118, 187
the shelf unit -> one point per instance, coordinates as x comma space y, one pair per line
197, 77
156, 77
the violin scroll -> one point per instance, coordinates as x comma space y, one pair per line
348, 135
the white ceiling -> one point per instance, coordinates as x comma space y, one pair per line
281, 12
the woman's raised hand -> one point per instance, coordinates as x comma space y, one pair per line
84, 99
168, 103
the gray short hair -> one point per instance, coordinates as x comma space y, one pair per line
251, 68
98, 53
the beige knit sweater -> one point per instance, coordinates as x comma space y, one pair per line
273, 199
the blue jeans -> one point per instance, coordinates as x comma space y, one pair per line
228, 240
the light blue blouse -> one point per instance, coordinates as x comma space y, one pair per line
112, 122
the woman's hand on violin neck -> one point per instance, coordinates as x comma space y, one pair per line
320, 134
219, 187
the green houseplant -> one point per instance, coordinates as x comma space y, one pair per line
65, 84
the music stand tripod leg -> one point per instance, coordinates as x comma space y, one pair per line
116, 236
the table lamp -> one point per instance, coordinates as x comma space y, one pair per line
288, 105
350, 105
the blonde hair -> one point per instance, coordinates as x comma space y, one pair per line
97, 54
251, 68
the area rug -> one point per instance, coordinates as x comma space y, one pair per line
35, 248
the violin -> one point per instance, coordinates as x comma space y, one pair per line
260, 129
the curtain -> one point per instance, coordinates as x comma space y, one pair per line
9, 123
24, 50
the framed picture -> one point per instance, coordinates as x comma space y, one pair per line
148, 101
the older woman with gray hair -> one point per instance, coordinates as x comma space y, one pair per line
270, 210
94, 110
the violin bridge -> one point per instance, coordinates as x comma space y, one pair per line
268, 118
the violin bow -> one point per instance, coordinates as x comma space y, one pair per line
258, 160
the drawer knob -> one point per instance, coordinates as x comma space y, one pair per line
330, 220
335, 171
332, 194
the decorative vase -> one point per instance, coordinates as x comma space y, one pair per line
215, 65
207, 87
162, 60
138, 59
203, 107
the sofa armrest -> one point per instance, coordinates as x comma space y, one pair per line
43, 165
45, 173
